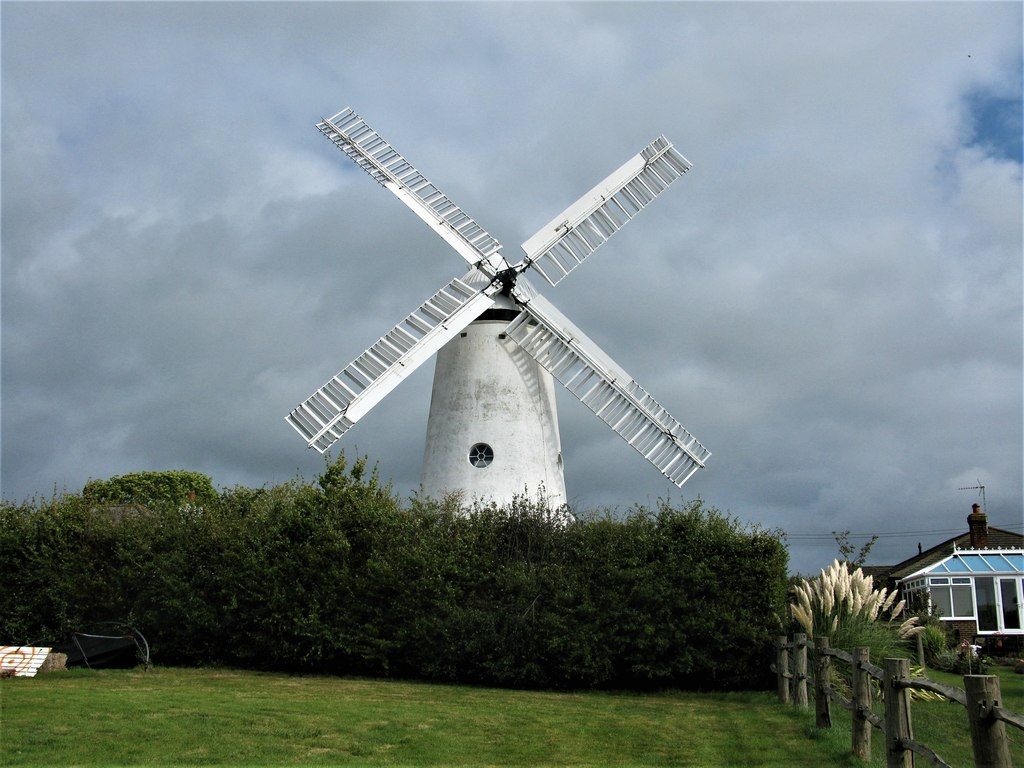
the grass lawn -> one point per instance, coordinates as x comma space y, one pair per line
227, 717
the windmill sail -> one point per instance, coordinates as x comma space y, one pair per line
371, 152
539, 329
569, 238
332, 410
607, 390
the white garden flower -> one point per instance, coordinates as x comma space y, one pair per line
803, 618
910, 628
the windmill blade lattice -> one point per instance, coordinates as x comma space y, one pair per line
599, 383
371, 152
331, 411
569, 238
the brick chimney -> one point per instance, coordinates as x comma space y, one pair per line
977, 523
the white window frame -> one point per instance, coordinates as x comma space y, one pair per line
1019, 583
935, 582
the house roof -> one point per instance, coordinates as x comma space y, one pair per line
979, 561
879, 572
997, 538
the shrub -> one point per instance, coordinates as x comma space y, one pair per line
961, 662
174, 486
339, 576
935, 641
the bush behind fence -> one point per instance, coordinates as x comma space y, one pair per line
340, 576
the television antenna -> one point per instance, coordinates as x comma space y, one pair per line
978, 487
492, 423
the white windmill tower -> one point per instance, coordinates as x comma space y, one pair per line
492, 432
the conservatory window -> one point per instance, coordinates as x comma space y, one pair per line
952, 597
1011, 603
986, 593
961, 590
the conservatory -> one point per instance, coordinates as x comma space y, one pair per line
983, 586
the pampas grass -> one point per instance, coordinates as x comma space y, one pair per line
845, 606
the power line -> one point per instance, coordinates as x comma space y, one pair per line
891, 534
816, 536
879, 535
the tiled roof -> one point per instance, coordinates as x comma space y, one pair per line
879, 572
997, 537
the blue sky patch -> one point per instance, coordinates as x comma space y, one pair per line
997, 124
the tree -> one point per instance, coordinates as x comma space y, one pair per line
846, 549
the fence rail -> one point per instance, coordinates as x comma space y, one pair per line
949, 691
928, 752
980, 696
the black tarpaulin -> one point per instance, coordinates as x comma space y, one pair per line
122, 651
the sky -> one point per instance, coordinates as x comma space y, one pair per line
831, 300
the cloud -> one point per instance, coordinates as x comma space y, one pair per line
830, 300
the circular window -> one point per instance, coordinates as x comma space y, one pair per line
481, 455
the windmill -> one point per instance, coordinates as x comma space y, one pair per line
492, 431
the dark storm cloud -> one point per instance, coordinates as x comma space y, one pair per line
830, 300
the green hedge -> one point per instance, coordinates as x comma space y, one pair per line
340, 576
176, 486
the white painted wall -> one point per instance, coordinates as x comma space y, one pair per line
487, 390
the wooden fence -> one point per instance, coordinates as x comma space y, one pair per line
986, 717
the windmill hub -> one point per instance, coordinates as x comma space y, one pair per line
506, 280
492, 433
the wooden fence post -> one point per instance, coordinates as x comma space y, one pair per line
822, 674
860, 743
897, 714
800, 670
792, 671
988, 735
782, 668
